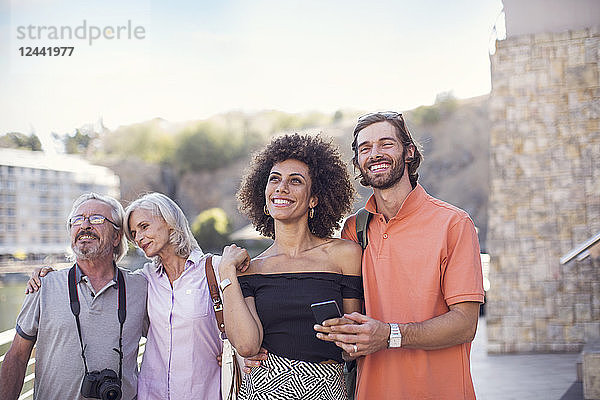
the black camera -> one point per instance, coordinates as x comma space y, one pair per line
104, 385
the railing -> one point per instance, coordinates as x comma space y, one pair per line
582, 251
6, 339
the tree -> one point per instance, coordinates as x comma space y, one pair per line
16, 140
337, 116
209, 146
211, 228
148, 141
79, 142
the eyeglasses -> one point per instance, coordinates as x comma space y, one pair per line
95, 219
385, 114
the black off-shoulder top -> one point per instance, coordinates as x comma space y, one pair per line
283, 305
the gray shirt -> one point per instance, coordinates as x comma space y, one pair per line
46, 317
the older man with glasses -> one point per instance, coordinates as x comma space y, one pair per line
87, 320
421, 274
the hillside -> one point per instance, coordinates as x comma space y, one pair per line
199, 163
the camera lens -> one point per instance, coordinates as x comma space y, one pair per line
110, 391
110, 386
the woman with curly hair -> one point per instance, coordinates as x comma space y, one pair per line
296, 191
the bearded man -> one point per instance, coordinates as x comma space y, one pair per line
86, 321
421, 273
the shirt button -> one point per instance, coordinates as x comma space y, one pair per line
385, 235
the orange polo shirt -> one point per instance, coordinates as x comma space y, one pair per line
421, 261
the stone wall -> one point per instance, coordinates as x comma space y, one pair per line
544, 191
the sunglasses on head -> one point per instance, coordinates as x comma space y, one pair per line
385, 114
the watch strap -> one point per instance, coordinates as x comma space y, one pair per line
224, 283
395, 339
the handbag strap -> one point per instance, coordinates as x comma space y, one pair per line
213, 287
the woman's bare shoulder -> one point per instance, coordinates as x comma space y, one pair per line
346, 247
347, 254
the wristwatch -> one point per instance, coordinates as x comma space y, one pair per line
224, 283
395, 339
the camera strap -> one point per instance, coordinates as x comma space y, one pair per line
121, 313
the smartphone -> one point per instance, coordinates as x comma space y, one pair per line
325, 310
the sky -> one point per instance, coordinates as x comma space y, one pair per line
193, 59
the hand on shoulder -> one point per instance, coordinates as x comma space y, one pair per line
35, 282
234, 258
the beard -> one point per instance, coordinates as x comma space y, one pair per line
387, 180
92, 250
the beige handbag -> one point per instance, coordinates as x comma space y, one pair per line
231, 373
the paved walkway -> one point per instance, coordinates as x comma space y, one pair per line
523, 376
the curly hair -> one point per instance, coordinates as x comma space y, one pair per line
330, 182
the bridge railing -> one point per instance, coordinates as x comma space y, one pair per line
6, 339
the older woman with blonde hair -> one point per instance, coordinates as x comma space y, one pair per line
180, 361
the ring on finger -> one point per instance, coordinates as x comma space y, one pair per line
355, 348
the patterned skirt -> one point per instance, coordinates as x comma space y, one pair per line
280, 378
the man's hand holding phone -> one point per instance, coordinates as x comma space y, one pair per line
325, 310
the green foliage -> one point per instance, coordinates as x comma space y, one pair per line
146, 141
209, 146
211, 229
80, 141
278, 121
445, 104
337, 116
16, 140
426, 115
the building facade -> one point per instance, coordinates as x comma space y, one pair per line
36, 193
544, 178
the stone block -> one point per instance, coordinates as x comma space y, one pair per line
580, 34
495, 347
584, 297
591, 46
543, 78
591, 370
575, 333
591, 331
573, 347
583, 312
555, 332
558, 347
576, 54
526, 335
524, 347
582, 76
565, 35
550, 307
543, 37
522, 40
556, 71
561, 50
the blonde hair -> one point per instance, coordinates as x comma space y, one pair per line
181, 236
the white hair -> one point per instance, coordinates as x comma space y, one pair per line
116, 215
181, 236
